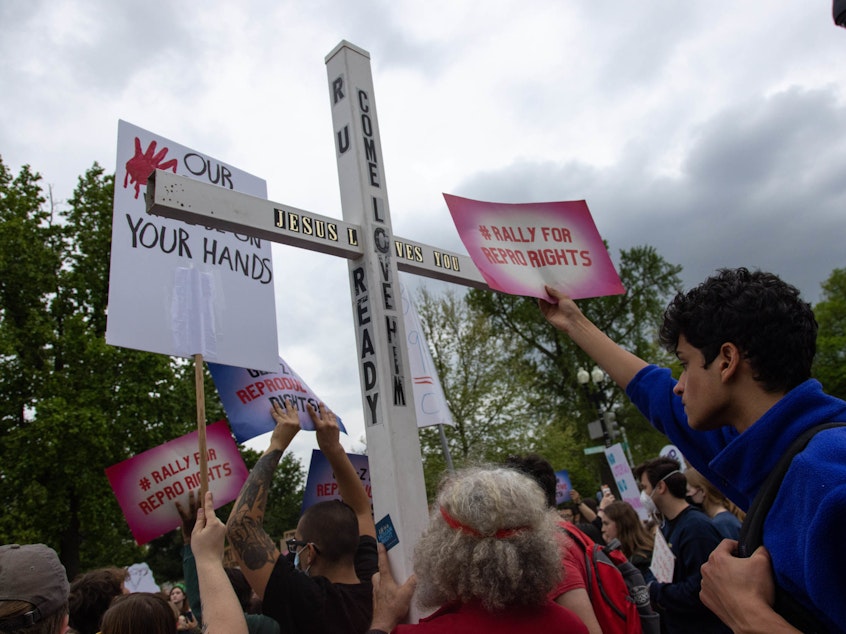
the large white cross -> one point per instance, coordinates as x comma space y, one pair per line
374, 256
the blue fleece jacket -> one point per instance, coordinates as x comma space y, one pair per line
803, 530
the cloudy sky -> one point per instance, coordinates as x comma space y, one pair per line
714, 131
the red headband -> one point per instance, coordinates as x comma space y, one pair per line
500, 534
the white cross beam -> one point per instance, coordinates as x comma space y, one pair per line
375, 256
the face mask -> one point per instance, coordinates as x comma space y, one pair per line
689, 499
648, 503
297, 561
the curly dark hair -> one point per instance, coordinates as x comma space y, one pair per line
756, 311
240, 585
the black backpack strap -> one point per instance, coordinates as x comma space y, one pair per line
752, 529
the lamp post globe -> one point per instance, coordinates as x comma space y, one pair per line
597, 375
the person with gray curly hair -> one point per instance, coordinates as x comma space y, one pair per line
489, 559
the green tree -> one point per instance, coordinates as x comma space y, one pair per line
830, 362
70, 405
29, 265
552, 360
480, 372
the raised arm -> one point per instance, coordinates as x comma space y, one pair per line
223, 614
188, 514
349, 483
620, 364
256, 551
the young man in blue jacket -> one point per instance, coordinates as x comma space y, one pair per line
746, 342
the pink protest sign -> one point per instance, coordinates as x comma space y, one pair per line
148, 485
520, 248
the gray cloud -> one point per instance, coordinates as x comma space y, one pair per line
760, 186
676, 122
95, 46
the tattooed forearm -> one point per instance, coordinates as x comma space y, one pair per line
244, 527
253, 545
254, 492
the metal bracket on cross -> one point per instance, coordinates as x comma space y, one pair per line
375, 256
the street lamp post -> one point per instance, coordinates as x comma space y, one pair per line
595, 395
626, 446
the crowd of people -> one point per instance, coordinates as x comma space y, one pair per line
498, 556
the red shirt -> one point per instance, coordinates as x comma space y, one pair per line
574, 568
472, 618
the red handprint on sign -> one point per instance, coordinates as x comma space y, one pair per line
140, 166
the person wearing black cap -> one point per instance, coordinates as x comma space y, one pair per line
33, 590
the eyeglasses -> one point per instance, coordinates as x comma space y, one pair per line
294, 545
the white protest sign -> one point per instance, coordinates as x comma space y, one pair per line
671, 451
181, 289
429, 400
140, 578
663, 560
623, 477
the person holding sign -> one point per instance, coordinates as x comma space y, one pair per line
326, 587
746, 342
222, 611
256, 623
691, 537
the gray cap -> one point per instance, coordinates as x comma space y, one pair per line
32, 573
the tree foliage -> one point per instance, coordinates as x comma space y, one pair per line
493, 350
480, 373
70, 405
830, 362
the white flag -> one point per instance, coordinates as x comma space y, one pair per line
429, 401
